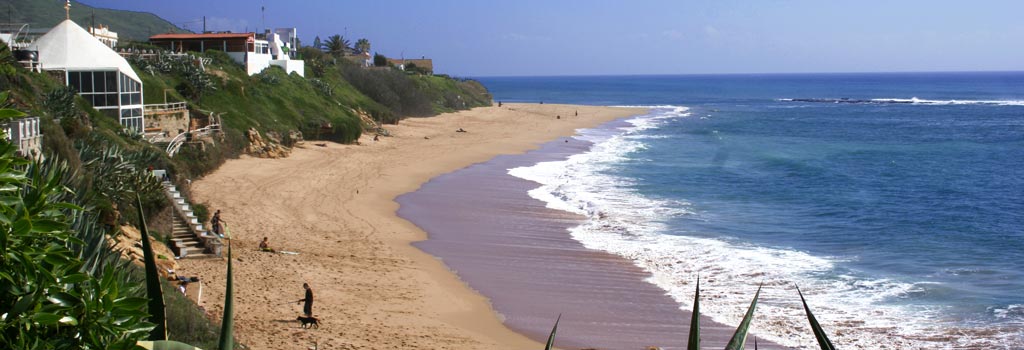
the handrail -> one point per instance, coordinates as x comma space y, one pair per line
175, 144
179, 140
166, 107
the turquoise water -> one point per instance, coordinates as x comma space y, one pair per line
895, 201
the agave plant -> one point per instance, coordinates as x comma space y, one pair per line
227, 328
59, 286
153, 291
694, 339
819, 333
740, 337
551, 338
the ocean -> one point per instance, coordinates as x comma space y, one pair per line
895, 202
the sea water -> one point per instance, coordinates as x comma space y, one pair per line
895, 202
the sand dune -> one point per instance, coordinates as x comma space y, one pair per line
334, 205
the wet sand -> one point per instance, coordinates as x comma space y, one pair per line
512, 249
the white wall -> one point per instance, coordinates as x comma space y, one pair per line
296, 66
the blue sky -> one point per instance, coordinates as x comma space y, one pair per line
604, 37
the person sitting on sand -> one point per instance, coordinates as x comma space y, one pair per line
265, 246
460, 130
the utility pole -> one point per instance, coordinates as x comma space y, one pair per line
204, 24
263, 14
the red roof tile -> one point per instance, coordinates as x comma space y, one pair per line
175, 36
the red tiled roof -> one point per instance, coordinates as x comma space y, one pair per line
175, 36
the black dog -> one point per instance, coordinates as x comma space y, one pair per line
309, 322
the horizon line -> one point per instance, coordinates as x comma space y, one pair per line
739, 74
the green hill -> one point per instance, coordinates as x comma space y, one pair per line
129, 25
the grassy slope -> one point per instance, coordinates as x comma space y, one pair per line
270, 101
129, 25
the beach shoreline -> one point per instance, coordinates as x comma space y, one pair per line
334, 205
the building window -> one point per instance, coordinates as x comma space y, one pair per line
131, 91
99, 88
131, 118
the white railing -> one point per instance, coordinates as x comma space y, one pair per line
166, 107
179, 140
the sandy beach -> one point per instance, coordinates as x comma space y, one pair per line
334, 205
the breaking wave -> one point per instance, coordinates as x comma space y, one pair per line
851, 306
913, 100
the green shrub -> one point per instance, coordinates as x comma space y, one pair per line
61, 280
60, 102
201, 211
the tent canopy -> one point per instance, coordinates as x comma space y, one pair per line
68, 46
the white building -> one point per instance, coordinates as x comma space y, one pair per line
255, 52
99, 74
105, 36
24, 133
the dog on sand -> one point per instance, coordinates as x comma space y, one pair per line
309, 322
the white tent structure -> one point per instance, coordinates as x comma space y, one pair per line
99, 74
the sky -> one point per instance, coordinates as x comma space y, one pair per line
473, 38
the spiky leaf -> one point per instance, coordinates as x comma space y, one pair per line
227, 326
153, 291
740, 337
819, 333
551, 338
694, 342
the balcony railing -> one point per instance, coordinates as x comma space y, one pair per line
165, 107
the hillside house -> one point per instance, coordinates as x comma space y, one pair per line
254, 51
402, 63
95, 71
104, 35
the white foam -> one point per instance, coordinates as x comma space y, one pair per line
912, 101
915, 100
631, 225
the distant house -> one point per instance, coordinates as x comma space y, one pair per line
363, 59
24, 133
95, 71
105, 36
424, 63
254, 51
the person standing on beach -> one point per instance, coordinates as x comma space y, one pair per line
215, 222
308, 307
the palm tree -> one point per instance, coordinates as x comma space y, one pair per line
337, 44
363, 45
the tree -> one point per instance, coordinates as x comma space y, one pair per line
379, 60
337, 44
363, 45
317, 43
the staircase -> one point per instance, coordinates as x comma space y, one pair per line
185, 243
189, 239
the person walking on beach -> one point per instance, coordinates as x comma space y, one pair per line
308, 307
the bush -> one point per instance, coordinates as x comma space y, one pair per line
379, 60
390, 88
61, 279
201, 212
60, 102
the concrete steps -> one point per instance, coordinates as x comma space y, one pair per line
184, 239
